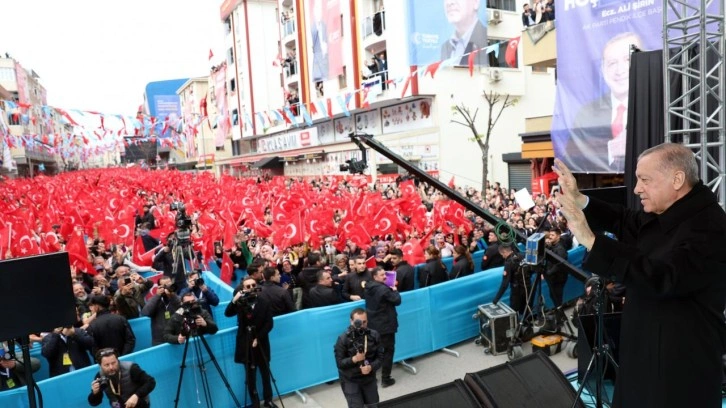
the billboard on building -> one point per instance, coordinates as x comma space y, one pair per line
21, 79
325, 39
220, 123
447, 30
593, 65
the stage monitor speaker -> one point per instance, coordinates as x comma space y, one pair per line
454, 394
532, 381
586, 332
39, 286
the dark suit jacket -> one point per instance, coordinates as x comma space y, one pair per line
322, 295
587, 148
674, 267
477, 40
77, 346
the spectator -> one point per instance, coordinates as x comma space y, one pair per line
188, 321
278, 298
109, 330
381, 302
289, 282
159, 309
404, 271
81, 298
308, 277
323, 293
492, 258
463, 264
354, 286
556, 274
205, 295
146, 218
445, 249
434, 271
129, 298
340, 269
66, 349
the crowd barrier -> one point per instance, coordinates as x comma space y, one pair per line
302, 343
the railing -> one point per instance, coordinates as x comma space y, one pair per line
290, 69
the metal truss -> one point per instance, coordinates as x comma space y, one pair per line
693, 31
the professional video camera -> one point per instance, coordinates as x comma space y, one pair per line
249, 298
356, 335
354, 166
190, 314
183, 222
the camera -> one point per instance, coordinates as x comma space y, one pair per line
356, 334
190, 314
103, 382
183, 223
199, 282
354, 166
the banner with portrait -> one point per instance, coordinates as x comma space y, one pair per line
447, 30
325, 39
594, 42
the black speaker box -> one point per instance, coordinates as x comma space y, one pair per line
532, 381
454, 394
36, 295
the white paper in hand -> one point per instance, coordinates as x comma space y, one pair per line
524, 199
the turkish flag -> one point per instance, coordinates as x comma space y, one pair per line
371, 262
78, 253
291, 232
451, 182
141, 257
227, 269
385, 222
26, 245
511, 55
412, 252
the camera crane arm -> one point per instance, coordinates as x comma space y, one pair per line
361, 139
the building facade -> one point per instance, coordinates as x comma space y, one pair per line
333, 67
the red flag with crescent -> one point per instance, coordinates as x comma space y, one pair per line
227, 269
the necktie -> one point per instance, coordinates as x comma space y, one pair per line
617, 125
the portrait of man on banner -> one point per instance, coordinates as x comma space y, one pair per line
448, 30
589, 123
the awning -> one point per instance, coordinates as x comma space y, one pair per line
268, 162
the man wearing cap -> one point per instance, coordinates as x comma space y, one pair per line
108, 329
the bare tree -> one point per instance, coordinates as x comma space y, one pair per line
482, 139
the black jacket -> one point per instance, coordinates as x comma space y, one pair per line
175, 325
77, 346
355, 284
110, 330
259, 320
134, 381
404, 276
160, 311
381, 302
345, 350
462, 267
277, 298
674, 267
322, 295
491, 258
556, 272
307, 279
431, 273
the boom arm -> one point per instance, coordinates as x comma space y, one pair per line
369, 141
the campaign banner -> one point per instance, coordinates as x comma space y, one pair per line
447, 30
220, 123
594, 42
325, 39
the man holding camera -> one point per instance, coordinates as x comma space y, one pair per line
187, 321
130, 295
205, 296
254, 323
124, 383
160, 309
358, 355
515, 277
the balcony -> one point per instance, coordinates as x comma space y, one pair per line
539, 44
291, 73
373, 31
289, 33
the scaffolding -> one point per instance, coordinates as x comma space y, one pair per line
693, 52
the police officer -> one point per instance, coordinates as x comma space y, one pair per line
515, 277
358, 355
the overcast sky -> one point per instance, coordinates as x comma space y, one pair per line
99, 55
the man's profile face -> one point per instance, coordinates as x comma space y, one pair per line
380, 276
395, 260
655, 185
109, 365
326, 280
616, 66
276, 277
461, 11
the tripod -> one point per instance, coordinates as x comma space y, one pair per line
250, 368
202, 370
601, 354
179, 252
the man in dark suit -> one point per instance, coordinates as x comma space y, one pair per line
670, 257
66, 349
323, 293
527, 16
279, 299
469, 33
597, 135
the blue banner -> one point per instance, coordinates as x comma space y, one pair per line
443, 30
594, 40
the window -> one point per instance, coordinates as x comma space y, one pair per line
342, 80
507, 5
230, 56
500, 61
232, 85
13, 120
235, 117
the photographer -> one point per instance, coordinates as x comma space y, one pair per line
516, 277
160, 308
358, 355
254, 323
205, 296
187, 321
164, 261
124, 383
129, 297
